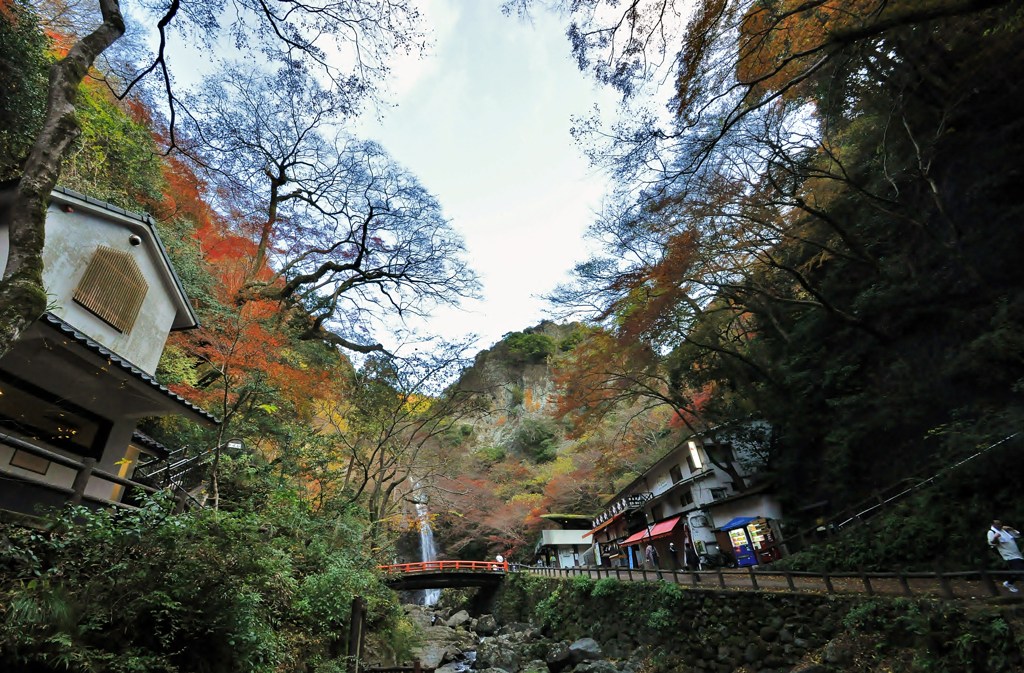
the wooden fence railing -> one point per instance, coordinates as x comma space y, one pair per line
443, 566
414, 667
948, 585
84, 469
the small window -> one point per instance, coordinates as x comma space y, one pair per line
656, 512
718, 493
676, 473
30, 462
112, 288
686, 499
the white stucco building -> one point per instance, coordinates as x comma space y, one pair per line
81, 378
691, 497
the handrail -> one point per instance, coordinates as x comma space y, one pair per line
84, 470
435, 566
172, 468
60, 459
969, 582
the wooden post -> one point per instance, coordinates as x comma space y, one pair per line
355, 633
721, 577
789, 580
904, 583
989, 582
828, 583
866, 580
947, 588
81, 481
416, 667
753, 578
179, 503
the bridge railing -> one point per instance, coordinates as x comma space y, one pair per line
445, 566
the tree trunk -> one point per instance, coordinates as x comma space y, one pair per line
22, 295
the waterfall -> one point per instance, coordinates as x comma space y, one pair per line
428, 552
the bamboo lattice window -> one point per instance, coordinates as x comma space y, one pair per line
113, 288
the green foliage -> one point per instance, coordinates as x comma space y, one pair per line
214, 591
186, 252
942, 524
605, 587
529, 347
536, 438
490, 454
574, 339
517, 395
115, 159
880, 616
583, 585
23, 81
943, 636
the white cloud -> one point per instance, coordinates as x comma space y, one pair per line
484, 122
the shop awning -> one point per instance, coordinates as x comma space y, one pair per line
737, 522
605, 524
658, 530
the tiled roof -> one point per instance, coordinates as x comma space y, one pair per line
125, 365
150, 443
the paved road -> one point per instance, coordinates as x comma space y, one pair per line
962, 585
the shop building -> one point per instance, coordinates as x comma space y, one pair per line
692, 499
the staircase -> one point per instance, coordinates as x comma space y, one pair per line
185, 475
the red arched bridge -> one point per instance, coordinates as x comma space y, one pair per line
444, 574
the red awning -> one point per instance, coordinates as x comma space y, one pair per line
605, 524
658, 530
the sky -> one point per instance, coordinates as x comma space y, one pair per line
483, 120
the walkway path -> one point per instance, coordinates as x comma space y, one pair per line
950, 586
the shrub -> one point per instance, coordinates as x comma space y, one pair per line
207, 591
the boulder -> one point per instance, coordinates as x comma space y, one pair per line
584, 649
452, 667
535, 666
458, 619
431, 654
486, 625
513, 627
558, 657
501, 652
838, 653
599, 666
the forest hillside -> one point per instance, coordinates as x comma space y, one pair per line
822, 235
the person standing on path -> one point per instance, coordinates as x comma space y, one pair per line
652, 556
1004, 540
674, 554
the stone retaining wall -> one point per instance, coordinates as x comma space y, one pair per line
712, 631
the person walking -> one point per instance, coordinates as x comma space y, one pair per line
1004, 540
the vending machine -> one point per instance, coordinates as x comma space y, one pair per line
742, 547
751, 540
